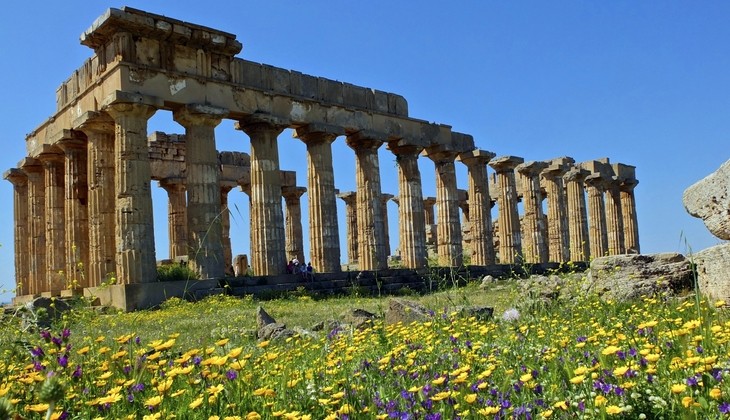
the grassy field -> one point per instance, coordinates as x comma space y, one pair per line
578, 357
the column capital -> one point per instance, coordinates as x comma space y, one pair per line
16, 177
199, 115
364, 139
440, 154
261, 122
172, 184
396, 200
30, 165
71, 141
628, 185
318, 132
576, 173
126, 103
531, 168
476, 157
404, 149
429, 201
597, 180
557, 167
505, 163
385, 197
51, 154
95, 122
348, 197
292, 193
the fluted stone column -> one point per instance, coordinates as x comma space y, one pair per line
482, 242
203, 190
595, 185
226, 231
177, 219
510, 240
76, 210
411, 214
431, 232
324, 237
37, 274
99, 130
577, 214
614, 217
370, 234
53, 169
246, 189
630, 221
350, 199
134, 229
268, 246
450, 251
293, 223
384, 198
21, 237
534, 231
557, 214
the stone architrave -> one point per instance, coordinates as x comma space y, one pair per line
134, 229
99, 130
384, 198
21, 236
630, 220
411, 217
53, 169
76, 209
205, 248
37, 275
226, 231
268, 246
534, 239
577, 214
293, 222
350, 199
614, 217
449, 239
557, 214
370, 233
510, 240
595, 186
177, 219
482, 242
324, 238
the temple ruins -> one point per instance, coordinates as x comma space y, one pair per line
83, 203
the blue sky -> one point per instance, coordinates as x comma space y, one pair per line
643, 83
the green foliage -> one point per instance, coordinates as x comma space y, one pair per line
175, 272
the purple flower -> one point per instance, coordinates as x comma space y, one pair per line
65, 334
63, 361
37, 352
77, 372
231, 374
46, 335
725, 407
197, 360
57, 341
139, 387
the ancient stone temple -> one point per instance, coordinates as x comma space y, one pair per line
82, 195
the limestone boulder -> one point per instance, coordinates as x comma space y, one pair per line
709, 199
358, 318
713, 265
406, 311
268, 328
263, 318
630, 276
43, 311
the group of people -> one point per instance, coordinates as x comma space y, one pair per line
295, 267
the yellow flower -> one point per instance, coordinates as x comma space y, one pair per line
235, 352
439, 380
470, 398
613, 409
37, 408
688, 401
599, 400
610, 350
620, 371
526, 377
154, 401
678, 388
83, 351
719, 303
195, 404
577, 379
561, 405
253, 416
715, 393
546, 414
489, 410
441, 396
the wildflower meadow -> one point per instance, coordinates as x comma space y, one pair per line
654, 358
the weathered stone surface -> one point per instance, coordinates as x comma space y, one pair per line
481, 313
405, 311
486, 282
624, 277
713, 265
43, 311
263, 318
709, 199
274, 331
358, 318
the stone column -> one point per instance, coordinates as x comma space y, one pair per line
614, 217
20, 219
205, 246
630, 221
482, 242
293, 223
177, 219
75, 206
595, 185
558, 231
226, 231
411, 214
386, 234
534, 232
350, 199
268, 248
510, 240
37, 274
431, 232
450, 251
134, 230
99, 130
370, 234
577, 215
53, 170
324, 237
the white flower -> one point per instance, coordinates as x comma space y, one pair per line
511, 314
